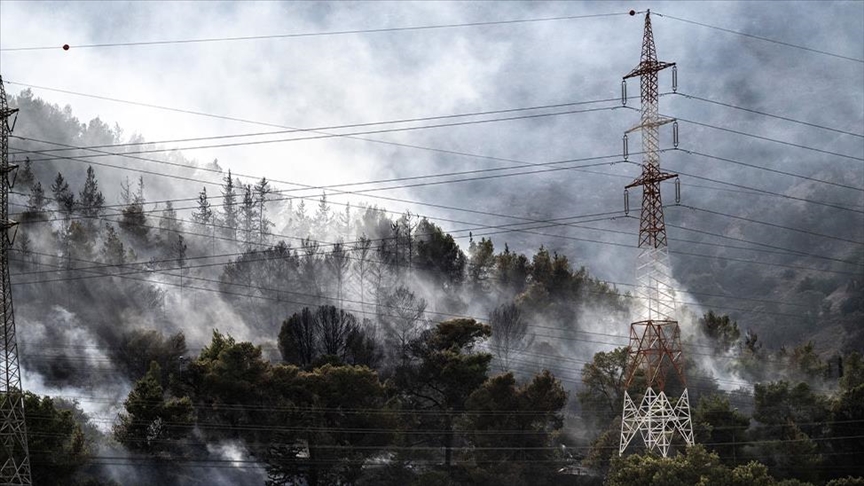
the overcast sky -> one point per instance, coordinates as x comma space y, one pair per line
321, 81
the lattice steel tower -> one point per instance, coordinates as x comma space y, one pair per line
13, 431
655, 341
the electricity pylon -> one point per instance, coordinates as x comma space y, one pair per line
655, 339
13, 431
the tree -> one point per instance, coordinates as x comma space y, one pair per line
442, 374
402, 314
298, 338
229, 382
26, 177
113, 250
169, 224
134, 220
512, 270
337, 263
509, 334
249, 221
178, 253
789, 417
309, 337
481, 264
722, 331
723, 428
262, 190
603, 394
78, 242
438, 256
204, 217
322, 216
154, 422
63, 196
695, 467
57, 445
363, 267
90, 199
139, 348
512, 423
229, 207
334, 327
326, 449
36, 204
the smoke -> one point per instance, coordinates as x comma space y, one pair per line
61, 358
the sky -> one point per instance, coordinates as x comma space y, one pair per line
331, 80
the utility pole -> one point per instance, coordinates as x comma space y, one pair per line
13, 430
655, 339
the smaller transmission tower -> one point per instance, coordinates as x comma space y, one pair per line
655, 341
13, 432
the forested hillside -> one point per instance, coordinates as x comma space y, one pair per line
177, 335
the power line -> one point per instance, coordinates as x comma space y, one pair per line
330, 135
334, 127
773, 225
482, 170
572, 224
360, 138
776, 171
770, 193
768, 139
252, 122
321, 34
770, 115
765, 39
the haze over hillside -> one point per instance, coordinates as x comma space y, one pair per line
432, 281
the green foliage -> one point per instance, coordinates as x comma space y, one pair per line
442, 375
695, 466
56, 442
90, 199
480, 264
724, 429
438, 256
602, 396
134, 220
530, 413
64, 198
154, 422
139, 348
853, 371
722, 331
326, 448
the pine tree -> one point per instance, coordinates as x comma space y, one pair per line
345, 221
36, 203
26, 177
125, 191
229, 207
169, 223
249, 217
91, 199
178, 252
322, 216
134, 220
204, 216
64, 197
113, 250
262, 190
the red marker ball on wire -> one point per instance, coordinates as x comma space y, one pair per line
65, 47
632, 13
